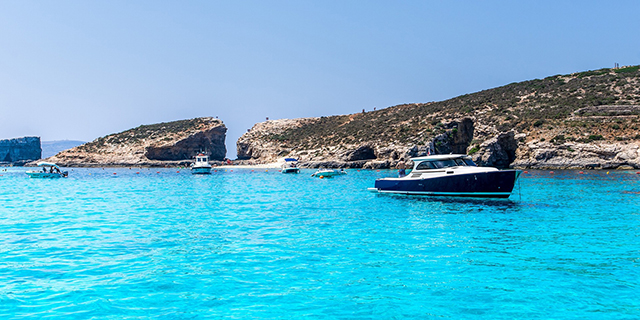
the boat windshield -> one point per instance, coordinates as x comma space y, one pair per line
446, 163
470, 162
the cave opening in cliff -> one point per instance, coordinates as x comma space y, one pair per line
363, 153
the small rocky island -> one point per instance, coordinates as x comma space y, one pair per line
587, 120
19, 151
167, 143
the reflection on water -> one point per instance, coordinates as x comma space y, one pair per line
498, 202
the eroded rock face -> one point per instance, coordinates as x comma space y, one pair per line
212, 140
365, 152
457, 139
253, 145
151, 145
498, 152
262, 144
20, 150
575, 155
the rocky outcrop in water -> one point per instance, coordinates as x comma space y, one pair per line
20, 150
168, 143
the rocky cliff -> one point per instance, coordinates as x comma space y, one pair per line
159, 144
581, 120
20, 150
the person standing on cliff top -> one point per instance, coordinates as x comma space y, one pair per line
401, 166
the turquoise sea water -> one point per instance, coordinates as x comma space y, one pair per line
164, 244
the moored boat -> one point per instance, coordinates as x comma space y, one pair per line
451, 175
201, 166
290, 165
49, 170
328, 173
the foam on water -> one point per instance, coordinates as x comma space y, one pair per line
245, 244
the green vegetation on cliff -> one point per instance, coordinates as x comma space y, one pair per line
578, 107
163, 130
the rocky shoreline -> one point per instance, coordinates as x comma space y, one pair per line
587, 120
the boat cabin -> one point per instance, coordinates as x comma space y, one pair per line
442, 161
202, 158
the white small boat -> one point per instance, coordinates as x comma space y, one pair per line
328, 173
290, 165
49, 170
201, 166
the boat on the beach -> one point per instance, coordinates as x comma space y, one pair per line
290, 165
201, 166
450, 175
49, 170
328, 173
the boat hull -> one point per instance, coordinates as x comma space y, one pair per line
328, 174
290, 170
201, 170
43, 175
493, 184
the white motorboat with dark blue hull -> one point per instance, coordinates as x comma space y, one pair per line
451, 175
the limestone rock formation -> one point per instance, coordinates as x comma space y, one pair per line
20, 150
499, 151
582, 120
159, 144
578, 155
265, 143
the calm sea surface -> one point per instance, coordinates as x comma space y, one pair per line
162, 244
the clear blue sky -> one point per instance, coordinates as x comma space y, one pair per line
83, 69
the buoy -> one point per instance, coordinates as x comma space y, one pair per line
178, 171
138, 172
321, 177
581, 172
114, 173
607, 172
551, 172
157, 171
526, 172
